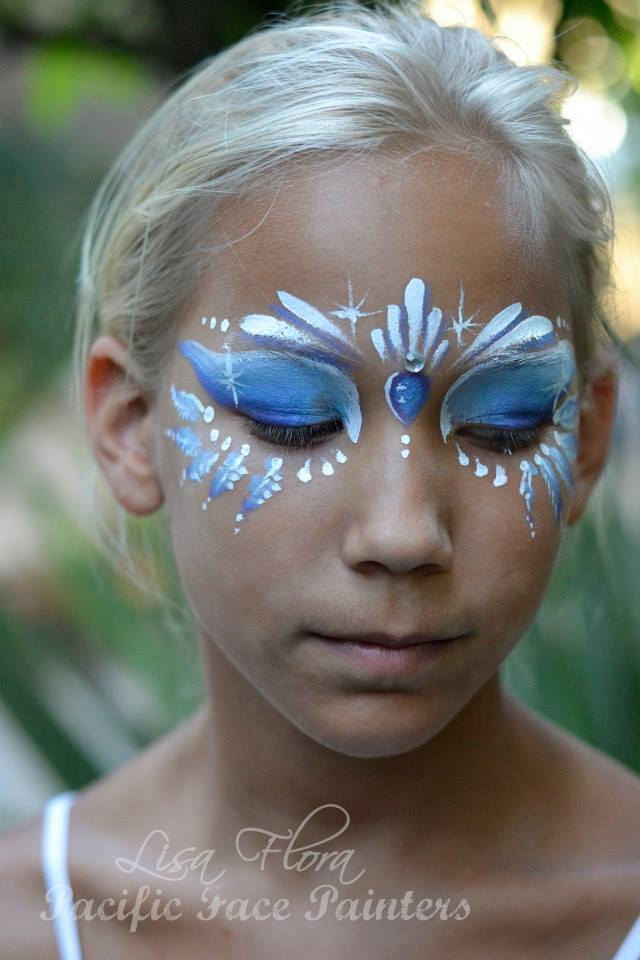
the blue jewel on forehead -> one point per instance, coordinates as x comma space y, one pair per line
407, 392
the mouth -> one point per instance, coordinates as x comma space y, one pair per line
389, 640
384, 653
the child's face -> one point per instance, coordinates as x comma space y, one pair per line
408, 514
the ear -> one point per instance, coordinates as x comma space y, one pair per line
119, 423
597, 413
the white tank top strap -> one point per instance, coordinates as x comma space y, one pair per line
54, 854
629, 949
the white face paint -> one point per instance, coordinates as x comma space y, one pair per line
515, 376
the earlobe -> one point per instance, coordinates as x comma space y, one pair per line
119, 423
597, 413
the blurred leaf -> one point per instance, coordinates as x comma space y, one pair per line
633, 54
42, 197
62, 75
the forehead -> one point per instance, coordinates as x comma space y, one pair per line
379, 220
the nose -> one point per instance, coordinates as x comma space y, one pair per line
398, 510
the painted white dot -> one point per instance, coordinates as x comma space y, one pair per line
341, 457
204, 504
481, 469
204, 321
327, 469
501, 476
224, 325
214, 435
208, 415
463, 459
239, 517
212, 323
405, 438
236, 530
245, 449
226, 443
404, 453
304, 473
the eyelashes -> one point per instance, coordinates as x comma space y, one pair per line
506, 441
290, 437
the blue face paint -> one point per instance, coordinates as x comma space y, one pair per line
414, 336
261, 487
509, 392
520, 383
276, 389
514, 375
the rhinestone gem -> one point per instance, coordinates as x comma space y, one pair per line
414, 362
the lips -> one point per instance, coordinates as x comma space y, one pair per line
389, 640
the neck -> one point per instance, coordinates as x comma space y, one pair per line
458, 798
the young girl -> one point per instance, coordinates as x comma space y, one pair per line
340, 305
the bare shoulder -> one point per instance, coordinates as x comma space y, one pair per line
606, 802
592, 798
22, 895
108, 819
593, 894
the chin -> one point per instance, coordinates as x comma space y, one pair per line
384, 732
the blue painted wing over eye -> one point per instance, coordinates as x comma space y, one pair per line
274, 388
509, 392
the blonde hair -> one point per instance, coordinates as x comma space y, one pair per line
339, 79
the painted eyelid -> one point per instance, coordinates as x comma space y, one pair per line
515, 421
508, 389
285, 391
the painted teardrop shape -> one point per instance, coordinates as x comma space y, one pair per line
406, 394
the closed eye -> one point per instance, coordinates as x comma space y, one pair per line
505, 440
293, 437
308, 399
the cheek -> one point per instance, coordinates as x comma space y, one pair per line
502, 571
243, 559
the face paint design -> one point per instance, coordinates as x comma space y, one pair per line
261, 487
460, 324
299, 326
509, 391
352, 312
276, 389
414, 334
229, 472
554, 463
501, 476
520, 381
516, 377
